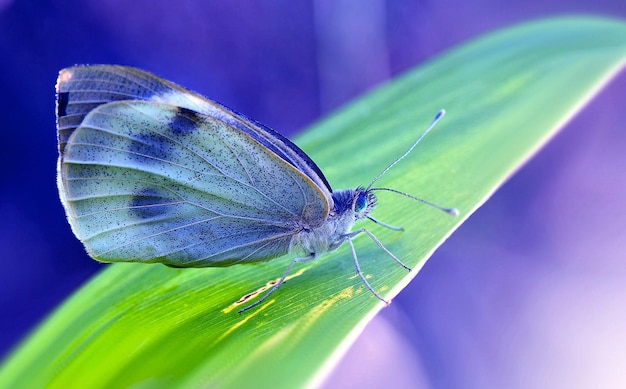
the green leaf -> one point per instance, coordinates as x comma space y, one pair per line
152, 326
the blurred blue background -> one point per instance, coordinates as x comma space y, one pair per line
529, 292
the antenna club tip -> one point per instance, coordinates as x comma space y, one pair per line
440, 114
452, 211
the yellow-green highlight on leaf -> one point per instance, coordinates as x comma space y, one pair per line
150, 326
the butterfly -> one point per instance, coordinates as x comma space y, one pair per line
151, 172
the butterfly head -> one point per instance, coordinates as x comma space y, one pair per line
357, 203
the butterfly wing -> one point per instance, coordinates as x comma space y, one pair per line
80, 89
147, 181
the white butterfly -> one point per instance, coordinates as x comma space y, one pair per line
151, 172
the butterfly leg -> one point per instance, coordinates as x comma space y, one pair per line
379, 244
395, 228
358, 267
279, 283
358, 271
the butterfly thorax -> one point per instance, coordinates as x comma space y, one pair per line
348, 206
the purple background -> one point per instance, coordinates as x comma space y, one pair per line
530, 292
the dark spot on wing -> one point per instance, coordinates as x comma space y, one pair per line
63, 99
151, 203
185, 121
150, 148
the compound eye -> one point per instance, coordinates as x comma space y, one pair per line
360, 203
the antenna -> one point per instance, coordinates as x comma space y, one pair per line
450, 211
438, 117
